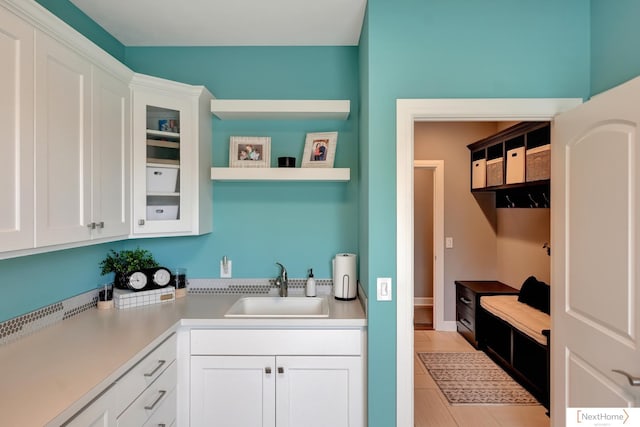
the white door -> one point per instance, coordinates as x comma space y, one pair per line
233, 391
63, 143
16, 122
111, 155
596, 252
319, 391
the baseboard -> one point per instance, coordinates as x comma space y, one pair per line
448, 325
423, 301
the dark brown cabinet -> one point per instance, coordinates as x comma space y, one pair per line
515, 164
468, 293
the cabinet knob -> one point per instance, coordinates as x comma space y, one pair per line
267, 370
91, 226
100, 224
141, 222
280, 370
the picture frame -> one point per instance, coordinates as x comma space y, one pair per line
320, 150
250, 152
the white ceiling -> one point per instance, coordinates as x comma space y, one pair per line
229, 22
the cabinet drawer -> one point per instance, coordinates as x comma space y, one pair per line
466, 297
466, 317
166, 413
145, 372
152, 400
276, 341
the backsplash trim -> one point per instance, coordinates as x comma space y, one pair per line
29, 323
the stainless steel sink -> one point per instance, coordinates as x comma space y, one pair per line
279, 307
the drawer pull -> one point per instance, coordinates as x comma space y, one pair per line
280, 370
465, 300
152, 373
267, 371
161, 394
465, 321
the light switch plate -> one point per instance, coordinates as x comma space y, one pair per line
448, 242
384, 291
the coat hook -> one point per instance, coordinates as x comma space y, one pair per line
547, 247
546, 200
510, 204
535, 204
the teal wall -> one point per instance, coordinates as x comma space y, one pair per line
31, 282
448, 49
615, 40
73, 16
408, 49
301, 225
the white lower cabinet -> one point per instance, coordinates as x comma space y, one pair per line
233, 391
283, 390
100, 413
157, 400
143, 396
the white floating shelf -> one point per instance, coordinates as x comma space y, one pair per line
280, 174
243, 109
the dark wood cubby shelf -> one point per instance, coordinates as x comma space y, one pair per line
535, 193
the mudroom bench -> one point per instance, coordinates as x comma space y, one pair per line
515, 330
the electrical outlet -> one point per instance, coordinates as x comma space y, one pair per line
225, 270
384, 289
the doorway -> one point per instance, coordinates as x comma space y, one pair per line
409, 111
423, 257
430, 174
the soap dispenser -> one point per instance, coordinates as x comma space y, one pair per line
311, 285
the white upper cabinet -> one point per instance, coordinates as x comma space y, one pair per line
63, 143
16, 144
172, 137
111, 148
82, 148
66, 170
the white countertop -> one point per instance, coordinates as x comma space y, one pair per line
63, 366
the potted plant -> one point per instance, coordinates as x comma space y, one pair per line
124, 261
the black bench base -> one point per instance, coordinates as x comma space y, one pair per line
525, 359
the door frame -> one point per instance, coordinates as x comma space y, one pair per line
408, 111
437, 166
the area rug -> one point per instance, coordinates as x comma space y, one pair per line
472, 378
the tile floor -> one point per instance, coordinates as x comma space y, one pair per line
432, 409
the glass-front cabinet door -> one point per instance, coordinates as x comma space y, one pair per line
163, 164
172, 138
161, 153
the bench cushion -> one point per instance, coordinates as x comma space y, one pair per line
523, 317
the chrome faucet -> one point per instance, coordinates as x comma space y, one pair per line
282, 281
